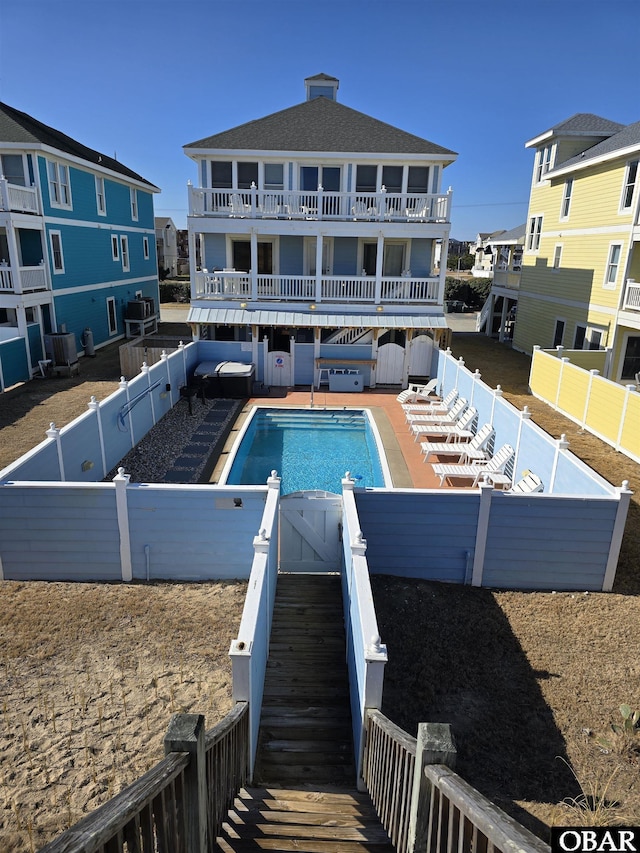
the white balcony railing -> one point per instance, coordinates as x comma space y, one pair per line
27, 280
632, 296
239, 286
17, 198
280, 204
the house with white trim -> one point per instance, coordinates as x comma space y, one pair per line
317, 229
77, 246
504, 251
580, 281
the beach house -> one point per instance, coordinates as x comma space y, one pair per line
317, 229
580, 277
77, 249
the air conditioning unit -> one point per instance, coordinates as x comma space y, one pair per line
151, 305
60, 348
137, 309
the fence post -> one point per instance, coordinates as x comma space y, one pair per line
592, 373
624, 496
120, 482
434, 745
54, 432
94, 406
482, 530
623, 415
561, 444
186, 734
497, 393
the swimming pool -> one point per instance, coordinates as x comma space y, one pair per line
309, 449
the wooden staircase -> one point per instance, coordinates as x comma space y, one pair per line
305, 764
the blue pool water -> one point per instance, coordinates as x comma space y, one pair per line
309, 449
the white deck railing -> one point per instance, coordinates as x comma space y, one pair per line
293, 204
228, 285
17, 198
27, 280
632, 296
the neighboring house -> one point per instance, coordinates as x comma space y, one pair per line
317, 227
485, 255
76, 243
497, 317
183, 252
166, 246
580, 283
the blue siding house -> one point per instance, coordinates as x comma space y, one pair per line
77, 245
317, 228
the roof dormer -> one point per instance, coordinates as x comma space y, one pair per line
322, 86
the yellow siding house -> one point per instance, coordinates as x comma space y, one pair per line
580, 280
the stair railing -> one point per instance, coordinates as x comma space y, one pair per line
179, 804
423, 804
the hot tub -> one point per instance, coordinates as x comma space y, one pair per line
231, 379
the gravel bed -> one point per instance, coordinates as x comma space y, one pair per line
160, 456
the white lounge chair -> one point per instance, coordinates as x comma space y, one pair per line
463, 449
434, 406
452, 421
237, 205
493, 468
418, 392
437, 414
529, 484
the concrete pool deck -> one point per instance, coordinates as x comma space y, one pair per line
405, 460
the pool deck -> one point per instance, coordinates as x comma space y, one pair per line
408, 470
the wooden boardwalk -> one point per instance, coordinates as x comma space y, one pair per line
305, 767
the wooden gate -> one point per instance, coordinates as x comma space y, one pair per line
277, 369
310, 532
390, 365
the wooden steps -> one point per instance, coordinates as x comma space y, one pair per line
305, 751
305, 727
330, 820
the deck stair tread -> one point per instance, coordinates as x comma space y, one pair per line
320, 819
305, 728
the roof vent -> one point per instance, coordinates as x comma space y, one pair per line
322, 86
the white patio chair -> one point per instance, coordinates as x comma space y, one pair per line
360, 210
492, 469
420, 210
270, 207
437, 414
434, 406
419, 392
237, 205
529, 484
463, 449
461, 430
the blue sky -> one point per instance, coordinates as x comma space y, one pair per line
141, 78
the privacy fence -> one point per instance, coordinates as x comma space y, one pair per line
604, 408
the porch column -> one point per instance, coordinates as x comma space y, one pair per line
408, 335
374, 358
317, 336
444, 252
192, 263
254, 265
488, 328
319, 242
14, 259
255, 340
379, 260
23, 332
503, 318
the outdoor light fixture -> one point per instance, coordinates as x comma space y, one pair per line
379, 307
243, 304
87, 465
312, 307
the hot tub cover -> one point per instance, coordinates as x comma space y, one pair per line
223, 368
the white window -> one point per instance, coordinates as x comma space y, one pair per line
613, 264
566, 199
145, 248
134, 203
545, 157
57, 258
59, 188
533, 235
588, 337
124, 253
112, 318
115, 247
273, 176
101, 202
628, 190
557, 257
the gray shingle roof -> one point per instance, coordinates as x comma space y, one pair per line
22, 129
321, 125
628, 137
513, 234
585, 123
